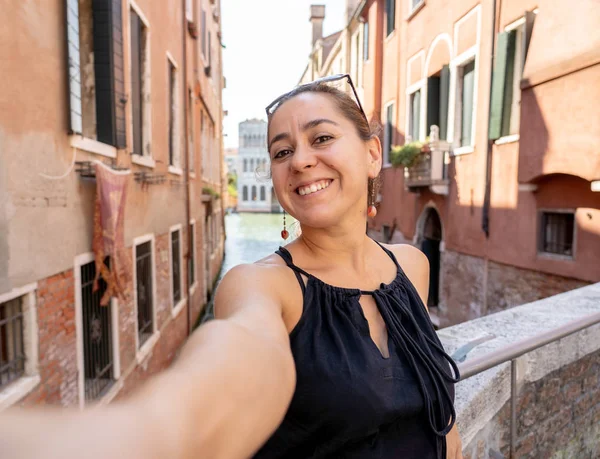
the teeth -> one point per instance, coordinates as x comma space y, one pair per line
313, 188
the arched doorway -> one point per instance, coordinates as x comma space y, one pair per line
430, 236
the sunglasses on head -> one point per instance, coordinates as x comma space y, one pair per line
327, 79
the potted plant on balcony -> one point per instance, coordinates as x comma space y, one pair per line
209, 193
407, 154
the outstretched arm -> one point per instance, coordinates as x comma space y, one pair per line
223, 397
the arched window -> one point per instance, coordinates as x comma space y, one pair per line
263, 195
245, 165
245, 193
252, 168
254, 192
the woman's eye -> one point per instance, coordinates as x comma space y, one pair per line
281, 154
323, 138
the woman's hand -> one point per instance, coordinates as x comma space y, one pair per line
454, 444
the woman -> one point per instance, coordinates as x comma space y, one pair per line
322, 350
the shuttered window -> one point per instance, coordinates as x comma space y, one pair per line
467, 95
176, 266
390, 11
172, 114
438, 91
109, 71
415, 115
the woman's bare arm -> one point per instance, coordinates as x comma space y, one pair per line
223, 397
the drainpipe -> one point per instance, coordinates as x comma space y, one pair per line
485, 218
186, 168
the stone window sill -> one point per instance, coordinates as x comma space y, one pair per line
146, 349
92, 146
17, 390
175, 170
508, 139
463, 150
145, 161
178, 308
555, 256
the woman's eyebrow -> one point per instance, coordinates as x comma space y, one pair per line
309, 125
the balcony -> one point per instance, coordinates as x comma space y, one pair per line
429, 169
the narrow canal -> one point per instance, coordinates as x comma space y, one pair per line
250, 237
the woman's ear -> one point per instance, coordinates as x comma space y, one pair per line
375, 156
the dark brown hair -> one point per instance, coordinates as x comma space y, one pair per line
350, 110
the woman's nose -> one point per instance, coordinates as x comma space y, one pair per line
303, 158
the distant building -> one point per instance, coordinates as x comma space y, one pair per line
231, 160
255, 190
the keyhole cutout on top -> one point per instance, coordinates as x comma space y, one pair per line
377, 329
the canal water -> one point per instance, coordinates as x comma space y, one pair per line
250, 237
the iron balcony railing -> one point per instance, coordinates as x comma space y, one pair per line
511, 353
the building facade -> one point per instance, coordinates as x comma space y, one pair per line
254, 186
503, 197
136, 86
503, 194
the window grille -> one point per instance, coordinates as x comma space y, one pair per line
557, 231
143, 260
97, 339
12, 351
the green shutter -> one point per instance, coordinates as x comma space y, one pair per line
508, 85
433, 103
444, 96
505, 40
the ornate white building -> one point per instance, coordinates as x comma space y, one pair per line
255, 189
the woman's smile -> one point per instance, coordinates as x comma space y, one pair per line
313, 188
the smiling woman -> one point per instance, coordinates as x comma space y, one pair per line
324, 349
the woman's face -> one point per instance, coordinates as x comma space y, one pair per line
319, 164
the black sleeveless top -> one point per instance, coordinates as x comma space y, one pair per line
350, 402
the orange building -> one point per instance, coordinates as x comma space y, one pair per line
504, 198
136, 85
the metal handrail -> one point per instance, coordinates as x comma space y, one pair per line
512, 352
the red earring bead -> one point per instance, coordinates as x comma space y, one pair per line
285, 234
372, 211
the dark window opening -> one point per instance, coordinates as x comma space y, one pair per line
137, 53
12, 351
176, 265
557, 232
390, 11
172, 111
192, 258
438, 92
143, 260
97, 339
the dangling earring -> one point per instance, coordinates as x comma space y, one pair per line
284, 232
372, 210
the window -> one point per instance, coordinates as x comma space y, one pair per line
508, 71
557, 233
176, 278
95, 67
12, 348
263, 195
390, 12
245, 193
140, 84
366, 42
96, 323
144, 290
388, 133
209, 71
466, 89
245, 165
172, 115
192, 259
191, 122
253, 192
414, 126
438, 91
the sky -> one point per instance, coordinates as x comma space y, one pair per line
267, 43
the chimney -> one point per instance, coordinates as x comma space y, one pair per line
317, 15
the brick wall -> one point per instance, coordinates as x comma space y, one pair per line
558, 416
55, 298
